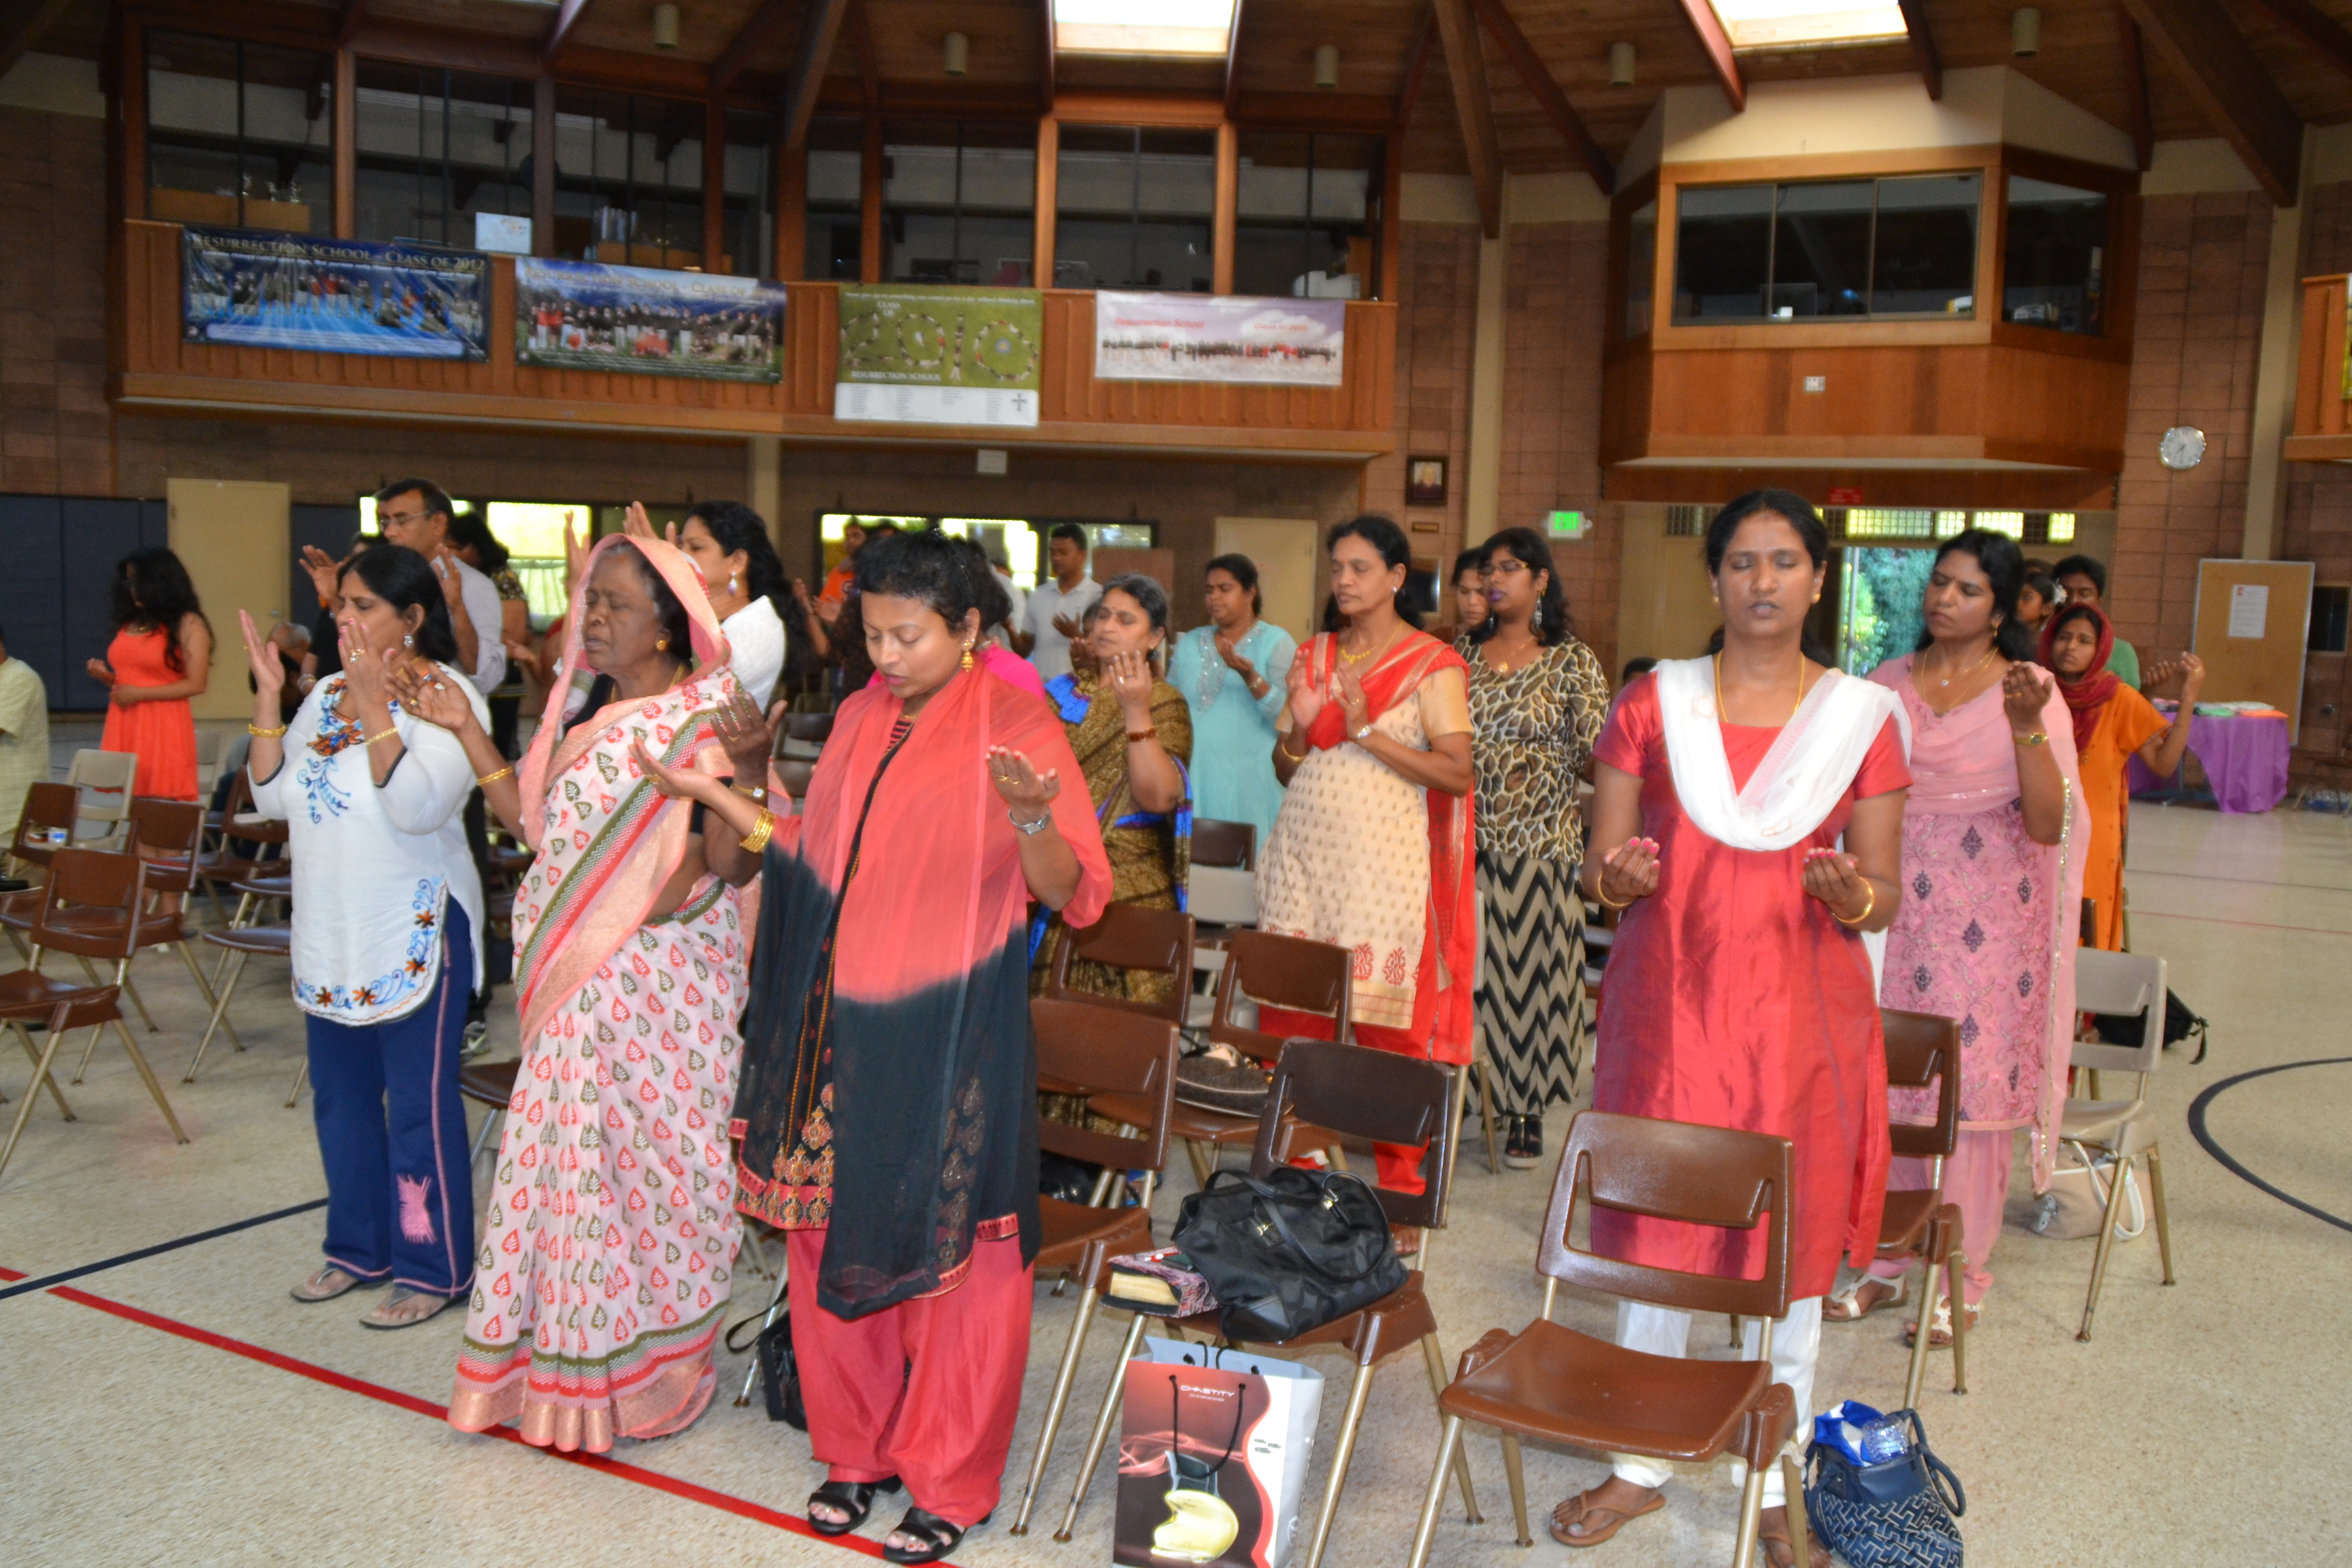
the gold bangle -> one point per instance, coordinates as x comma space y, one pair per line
757, 839
1282, 745
2039, 738
1870, 891
260, 733
486, 780
384, 734
1601, 892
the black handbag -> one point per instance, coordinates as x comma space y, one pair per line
1897, 1513
1290, 1251
780, 1368
2179, 1024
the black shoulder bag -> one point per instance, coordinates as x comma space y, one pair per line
1290, 1251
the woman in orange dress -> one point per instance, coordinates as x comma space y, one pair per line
2112, 724
161, 658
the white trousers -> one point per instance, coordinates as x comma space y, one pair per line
1796, 1349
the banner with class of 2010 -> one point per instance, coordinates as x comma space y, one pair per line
938, 354
260, 290
591, 315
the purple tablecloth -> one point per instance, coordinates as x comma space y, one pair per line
2244, 758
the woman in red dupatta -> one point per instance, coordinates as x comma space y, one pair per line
887, 1118
1373, 850
605, 1263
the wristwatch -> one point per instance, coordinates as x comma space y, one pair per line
1032, 829
755, 793
1361, 735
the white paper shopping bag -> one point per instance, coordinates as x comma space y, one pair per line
1212, 1454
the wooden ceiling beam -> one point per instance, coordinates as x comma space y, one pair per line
1465, 68
354, 15
1233, 60
559, 33
1548, 95
2211, 58
30, 31
1712, 39
758, 31
869, 69
1416, 66
819, 27
2142, 108
2317, 31
1046, 55
1923, 47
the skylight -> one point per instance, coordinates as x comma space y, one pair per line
1788, 23
1178, 28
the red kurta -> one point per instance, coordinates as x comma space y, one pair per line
1734, 999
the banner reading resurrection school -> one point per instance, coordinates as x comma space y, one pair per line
586, 315
1233, 338
338, 296
938, 354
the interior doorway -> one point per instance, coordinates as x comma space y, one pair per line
1282, 548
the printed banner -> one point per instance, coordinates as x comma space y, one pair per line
337, 296
938, 354
1205, 337
587, 315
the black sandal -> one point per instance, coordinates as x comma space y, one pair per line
943, 1535
855, 1498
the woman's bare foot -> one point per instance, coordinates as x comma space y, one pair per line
1592, 1516
330, 1282
1865, 1296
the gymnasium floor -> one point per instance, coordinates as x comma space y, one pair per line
180, 1407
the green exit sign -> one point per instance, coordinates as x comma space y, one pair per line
1567, 524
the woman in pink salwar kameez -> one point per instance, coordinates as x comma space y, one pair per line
1993, 840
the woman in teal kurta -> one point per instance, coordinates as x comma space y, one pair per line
1233, 672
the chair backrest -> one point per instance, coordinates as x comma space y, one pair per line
2126, 983
1085, 1049
104, 779
88, 882
47, 805
794, 774
1129, 936
816, 727
1290, 972
261, 830
1222, 895
1360, 1092
209, 745
1221, 843
1922, 1048
1672, 1170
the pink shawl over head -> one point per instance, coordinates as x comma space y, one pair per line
1965, 762
574, 915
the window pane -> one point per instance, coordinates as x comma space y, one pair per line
2056, 256
748, 210
835, 168
1305, 207
959, 202
1723, 252
1134, 207
628, 178
1927, 248
239, 135
436, 147
1641, 267
1820, 249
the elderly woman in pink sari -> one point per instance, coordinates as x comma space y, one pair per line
1993, 840
602, 1276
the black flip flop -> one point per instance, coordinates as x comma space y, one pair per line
855, 1498
942, 1535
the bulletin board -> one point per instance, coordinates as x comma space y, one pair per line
2254, 619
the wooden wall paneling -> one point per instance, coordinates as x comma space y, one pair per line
346, 150
714, 188
1172, 110
1391, 213
542, 165
2320, 408
1048, 195
1225, 203
2211, 60
131, 101
869, 229
791, 213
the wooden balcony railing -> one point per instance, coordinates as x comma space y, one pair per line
154, 366
2323, 395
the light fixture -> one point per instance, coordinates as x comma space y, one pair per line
958, 51
664, 26
1621, 65
1327, 65
2025, 31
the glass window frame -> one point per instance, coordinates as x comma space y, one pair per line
1984, 176
242, 149
1142, 131
443, 169
962, 205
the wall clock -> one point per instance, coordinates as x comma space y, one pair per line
2183, 447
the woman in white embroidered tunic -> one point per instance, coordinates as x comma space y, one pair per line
387, 944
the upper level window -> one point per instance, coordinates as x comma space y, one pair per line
239, 135
2053, 272
1786, 24
836, 194
959, 202
1305, 209
1134, 208
1901, 246
437, 147
1641, 267
747, 199
628, 178
1143, 27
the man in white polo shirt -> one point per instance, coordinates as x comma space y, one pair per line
1045, 624
415, 512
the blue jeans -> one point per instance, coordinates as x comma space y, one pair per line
391, 1134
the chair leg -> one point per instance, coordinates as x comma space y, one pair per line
1751, 1508
1919, 1341
1063, 1378
2156, 1201
130, 989
482, 1141
1486, 1072
220, 1009
758, 1254
301, 1078
32, 1092
1358, 1393
1201, 1166
1432, 1355
204, 989
25, 1039
1739, 1330
146, 1076
775, 1303
2122, 1172
1427, 1527
1792, 1486
1517, 1475
1960, 1265
1102, 1194
88, 1051
1103, 1418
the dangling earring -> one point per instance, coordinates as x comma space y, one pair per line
1535, 617
407, 640
661, 644
730, 582
968, 659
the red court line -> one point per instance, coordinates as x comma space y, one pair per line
724, 1502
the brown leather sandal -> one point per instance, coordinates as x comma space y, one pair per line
1562, 1516
1786, 1556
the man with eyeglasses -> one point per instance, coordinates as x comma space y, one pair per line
415, 512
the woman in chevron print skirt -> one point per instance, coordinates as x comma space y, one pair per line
1537, 697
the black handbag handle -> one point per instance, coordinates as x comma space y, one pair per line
1949, 1490
1271, 1203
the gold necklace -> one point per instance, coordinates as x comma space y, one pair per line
1979, 664
1352, 660
1719, 715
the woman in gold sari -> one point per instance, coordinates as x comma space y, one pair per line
1132, 733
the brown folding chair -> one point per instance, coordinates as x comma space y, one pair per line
1219, 843
1562, 1388
1096, 1050
490, 1084
1364, 1093
246, 939
795, 774
1292, 971
1129, 936
91, 908
1922, 1048
802, 735
220, 866
44, 827
168, 834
